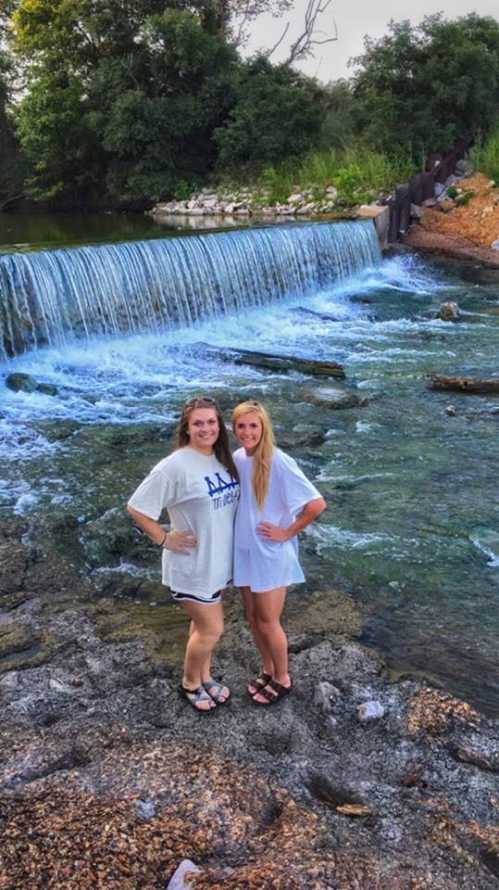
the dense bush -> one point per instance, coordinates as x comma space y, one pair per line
419, 89
277, 113
486, 156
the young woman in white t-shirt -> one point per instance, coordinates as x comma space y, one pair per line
277, 502
198, 485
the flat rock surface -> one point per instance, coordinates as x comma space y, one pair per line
465, 231
109, 779
452, 245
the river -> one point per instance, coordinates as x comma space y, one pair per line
410, 475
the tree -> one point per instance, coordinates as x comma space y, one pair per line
277, 114
418, 89
11, 173
121, 103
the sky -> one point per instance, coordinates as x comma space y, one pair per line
354, 19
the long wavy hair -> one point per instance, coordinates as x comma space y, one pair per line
262, 458
221, 447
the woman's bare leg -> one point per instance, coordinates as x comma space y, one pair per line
204, 632
268, 611
250, 611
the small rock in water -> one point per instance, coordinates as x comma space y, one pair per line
145, 809
26, 383
370, 710
451, 411
48, 389
449, 311
180, 879
332, 397
21, 382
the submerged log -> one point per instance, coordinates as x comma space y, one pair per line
473, 385
279, 362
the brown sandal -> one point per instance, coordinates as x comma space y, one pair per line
259, 683
279, 692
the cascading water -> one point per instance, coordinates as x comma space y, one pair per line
51, 297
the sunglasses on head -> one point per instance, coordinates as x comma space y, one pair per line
195, 401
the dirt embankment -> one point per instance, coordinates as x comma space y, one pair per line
466, 230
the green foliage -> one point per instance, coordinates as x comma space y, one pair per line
124, 105
419, 89
486, 156
277, 114
338, 121
358, 174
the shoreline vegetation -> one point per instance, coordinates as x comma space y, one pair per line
163, 105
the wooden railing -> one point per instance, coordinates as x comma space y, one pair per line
421, 187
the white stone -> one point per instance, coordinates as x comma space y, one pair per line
307, 208
229, 208
58, 686
179, 880
295, 199
332, 193
370, 710
10, 680
325, 694
495, 245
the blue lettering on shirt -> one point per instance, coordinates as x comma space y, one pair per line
220, 485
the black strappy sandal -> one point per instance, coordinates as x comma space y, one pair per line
278, 693
259, 683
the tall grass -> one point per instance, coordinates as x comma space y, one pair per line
358, 174
486, 157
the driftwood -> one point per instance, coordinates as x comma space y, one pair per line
473, 385
278, 362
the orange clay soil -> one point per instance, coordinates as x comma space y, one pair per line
478, 221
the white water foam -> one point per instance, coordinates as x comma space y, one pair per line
488, 544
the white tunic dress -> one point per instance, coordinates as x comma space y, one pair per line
259, 563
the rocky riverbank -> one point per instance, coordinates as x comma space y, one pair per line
109, 780
463, 223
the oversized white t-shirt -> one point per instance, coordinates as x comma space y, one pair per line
201, 497
259, 563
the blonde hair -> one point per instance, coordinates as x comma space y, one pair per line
262, 458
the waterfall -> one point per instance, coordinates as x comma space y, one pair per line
53, 296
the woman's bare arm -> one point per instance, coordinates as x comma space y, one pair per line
310, 512
181, 542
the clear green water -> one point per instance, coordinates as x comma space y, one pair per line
27, 232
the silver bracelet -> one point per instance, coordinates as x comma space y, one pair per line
163, 542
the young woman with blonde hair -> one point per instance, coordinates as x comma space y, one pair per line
277, 502
198, 485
